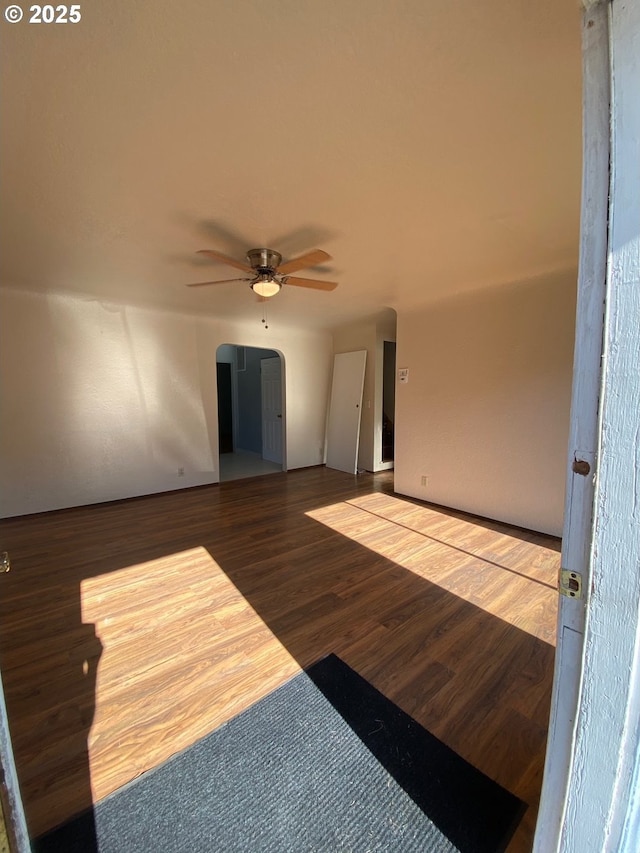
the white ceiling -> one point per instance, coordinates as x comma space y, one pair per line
429, 147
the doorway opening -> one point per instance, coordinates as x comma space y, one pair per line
251, 416
388, 399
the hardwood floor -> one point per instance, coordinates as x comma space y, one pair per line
129, 630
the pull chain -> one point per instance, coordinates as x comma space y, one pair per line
264, 313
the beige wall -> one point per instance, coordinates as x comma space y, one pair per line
105, 401
485, 414
101, 401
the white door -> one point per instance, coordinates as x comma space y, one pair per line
345, 408
271, 383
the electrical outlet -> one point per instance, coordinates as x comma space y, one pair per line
180, 472
424, 480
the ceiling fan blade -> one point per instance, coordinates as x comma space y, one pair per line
223, 281
311, 259
218, 256
311, 282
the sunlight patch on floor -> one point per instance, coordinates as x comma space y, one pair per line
164, 626
505, 575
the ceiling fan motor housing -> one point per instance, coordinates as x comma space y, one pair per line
264, 260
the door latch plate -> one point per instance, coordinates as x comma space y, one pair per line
570, 583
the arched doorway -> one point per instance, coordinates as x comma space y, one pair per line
251, 434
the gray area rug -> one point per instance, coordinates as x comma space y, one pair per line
325, 764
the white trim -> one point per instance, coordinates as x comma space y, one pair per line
15, 821
602, 811
583, 438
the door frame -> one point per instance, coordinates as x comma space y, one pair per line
10, 799
234, 395
590, 797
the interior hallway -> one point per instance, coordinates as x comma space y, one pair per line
242, 464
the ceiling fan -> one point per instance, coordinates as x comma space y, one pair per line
268, 273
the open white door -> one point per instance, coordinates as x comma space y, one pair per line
345, 409
271, 384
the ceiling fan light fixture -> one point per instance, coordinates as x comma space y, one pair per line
266, 286
268, 273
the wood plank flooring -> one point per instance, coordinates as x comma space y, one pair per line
129, 630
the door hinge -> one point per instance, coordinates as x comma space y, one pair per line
570, 583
